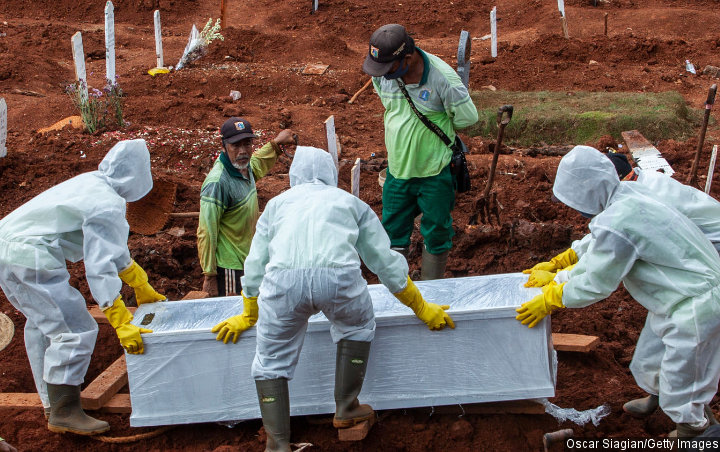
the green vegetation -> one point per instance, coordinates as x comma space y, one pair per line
583, 117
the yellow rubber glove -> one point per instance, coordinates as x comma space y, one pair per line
234, 326
129, 334
533, 311
539, 278
135, 277
559, 262
432, 314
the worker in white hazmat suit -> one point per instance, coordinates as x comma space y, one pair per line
665, 263
82, 218
700, 208
305, 258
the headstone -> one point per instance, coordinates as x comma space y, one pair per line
3, 128
493, 32
331, 139
79, 59
463, 57
158, 40
708, 182
110, 43
355, 178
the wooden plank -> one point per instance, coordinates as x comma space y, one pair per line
508, 407
98, 315
196, 295
119, 403
105, 386
356, 432
20, 400
645, 154
574, 342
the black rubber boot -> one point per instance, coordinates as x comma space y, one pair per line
642, 407
275, 409
350, 366
433, 265
67, 415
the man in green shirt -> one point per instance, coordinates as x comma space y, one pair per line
418, 177
229, 205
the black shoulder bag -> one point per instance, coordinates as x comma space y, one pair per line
458, 164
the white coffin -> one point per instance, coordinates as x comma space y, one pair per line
186, 376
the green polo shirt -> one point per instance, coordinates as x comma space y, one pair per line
413, 149
229, 211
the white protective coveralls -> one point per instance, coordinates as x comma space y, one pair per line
666, 264
81, 218
304, 259
700, 208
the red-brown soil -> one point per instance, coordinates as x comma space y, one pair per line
266, 45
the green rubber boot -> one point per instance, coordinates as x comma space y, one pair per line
274, 401
350, 366
67, 415
433, 265
642, 407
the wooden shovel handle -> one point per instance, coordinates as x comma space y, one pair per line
185, 214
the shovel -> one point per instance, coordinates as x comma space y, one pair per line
487, 205
692, 180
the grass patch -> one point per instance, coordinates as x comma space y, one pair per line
583, 117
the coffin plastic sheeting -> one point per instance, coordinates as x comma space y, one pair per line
186, 376
580, 418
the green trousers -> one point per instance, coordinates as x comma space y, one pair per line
404, 199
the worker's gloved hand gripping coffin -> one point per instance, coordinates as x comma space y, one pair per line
186, 376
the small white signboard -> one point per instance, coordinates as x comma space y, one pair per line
79, 59
110, 43
708, 182
3, 127
493, 32
158, 40
331, 139
355, 178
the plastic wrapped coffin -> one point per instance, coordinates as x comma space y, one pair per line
186, 376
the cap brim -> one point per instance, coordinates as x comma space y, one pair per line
240, 136
372, 67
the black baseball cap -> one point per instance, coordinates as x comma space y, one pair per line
236, 129
388, 44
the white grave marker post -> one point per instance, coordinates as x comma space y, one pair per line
3, 128
563, 19
708, 182
561, 7
331, 139
79, 58
158, 40
314, 6
355, 178
110, 43
493, 32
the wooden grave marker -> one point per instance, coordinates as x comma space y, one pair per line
79, 59
3, 128
110, 43
708, 182
331, 138
493, 32
355, 178
158, 40
463, 57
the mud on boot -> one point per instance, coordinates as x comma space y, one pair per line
642, 407
67, 415
350, 366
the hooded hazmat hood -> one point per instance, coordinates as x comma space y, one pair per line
312, 166
126, 168
585, 180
